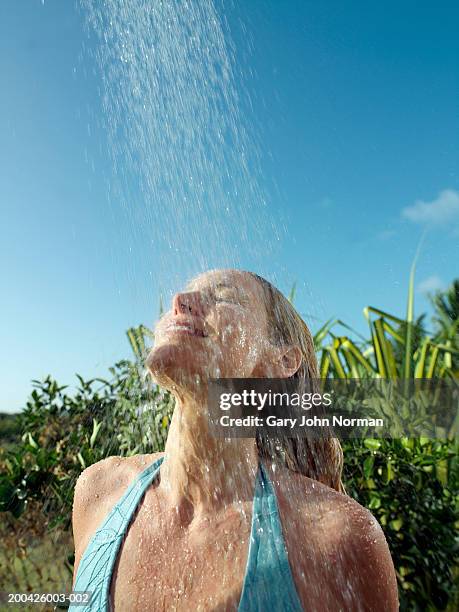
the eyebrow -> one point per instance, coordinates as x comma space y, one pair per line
223, 285
241, 292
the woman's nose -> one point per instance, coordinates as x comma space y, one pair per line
188, 303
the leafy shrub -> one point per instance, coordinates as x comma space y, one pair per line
10, 428
64, 433
411, 487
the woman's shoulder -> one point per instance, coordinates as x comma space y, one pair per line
353, 535
104, 482
114, 471
334, 512
99, 487
341, 528
312, 497
337, 506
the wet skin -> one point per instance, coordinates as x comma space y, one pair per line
187, 546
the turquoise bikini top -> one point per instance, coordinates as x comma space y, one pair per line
268, 582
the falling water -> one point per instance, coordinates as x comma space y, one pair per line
187, 170
184, 155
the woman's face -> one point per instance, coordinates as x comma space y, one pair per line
216, 328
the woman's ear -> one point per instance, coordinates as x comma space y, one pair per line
278, 362
289, 361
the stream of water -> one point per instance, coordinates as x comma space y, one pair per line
186, 163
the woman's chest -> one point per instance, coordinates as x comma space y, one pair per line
164, 567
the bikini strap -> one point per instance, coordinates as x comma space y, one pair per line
98, 560
268, 582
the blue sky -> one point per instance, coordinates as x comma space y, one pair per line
355, 113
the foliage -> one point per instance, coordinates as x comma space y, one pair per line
64, 433
397, 348
411, 487
10, 429
446, 320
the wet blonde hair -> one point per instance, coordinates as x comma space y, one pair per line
320, 459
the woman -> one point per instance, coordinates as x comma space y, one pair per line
227, 524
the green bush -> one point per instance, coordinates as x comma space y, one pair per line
411, 487
63, 433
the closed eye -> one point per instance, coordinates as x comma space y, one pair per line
229, 297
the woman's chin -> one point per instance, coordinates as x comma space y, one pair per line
174, 365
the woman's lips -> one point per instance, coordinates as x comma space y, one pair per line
185, 328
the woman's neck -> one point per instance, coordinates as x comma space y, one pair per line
202, 474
